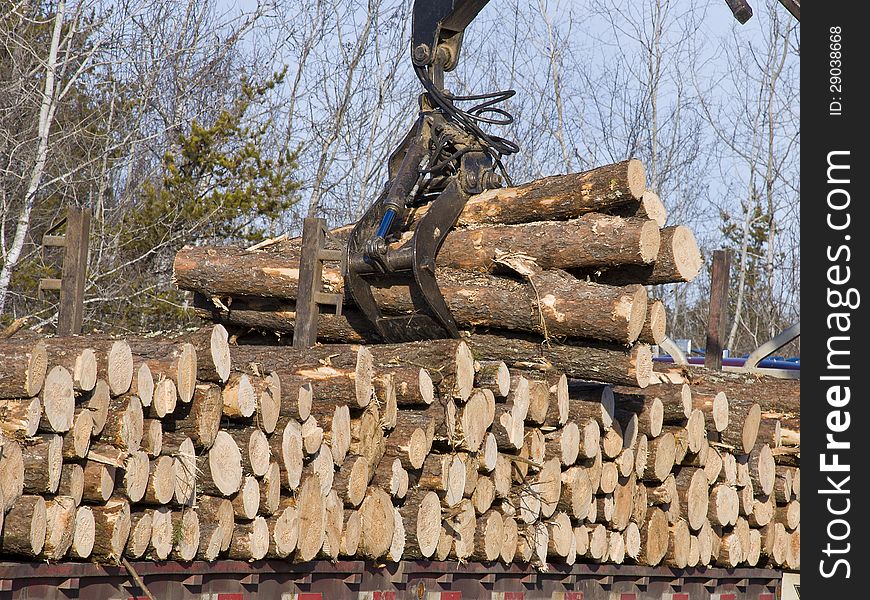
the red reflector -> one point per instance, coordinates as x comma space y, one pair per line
226, 597
308, 596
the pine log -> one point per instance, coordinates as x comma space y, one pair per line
654, 329
84, 533
125, 429
576, 492
222, 472
331, 369
152, 437
679, 541
165, 399
678, 260
508, 543
239, 397
186, 535
623, 502
494, 376
270, 490
212, 509
24, 527
246, 502
762, 469
111, 529
22, 369
161, 481
724, 506
592, 240
334, 525
199, 419
81, 362
561, 543
162, 538
693, 492
212, 342
141, 526
135, 476
596, 362
286, 445
649, 206
181, 449
20, 417
350, 534
660, 457
284, 529
142, 385
256, 454
559, 196
654, 534
631, 535
114, 364
552, 307
744, 421
60, 521
598, 542
175, 361
58, 401
77, 441
311, 510
250, 540
464, 524
98, 404
72, 481
421, 515
43, 459
99, 481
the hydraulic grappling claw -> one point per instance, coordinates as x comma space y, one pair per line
444, 159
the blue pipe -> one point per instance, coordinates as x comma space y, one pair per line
767, 363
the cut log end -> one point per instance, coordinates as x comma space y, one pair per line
686, 254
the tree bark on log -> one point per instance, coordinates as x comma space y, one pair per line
72, 481
43, 460
22, 369
200, 419
175, 361
591, 362
558, 196
678, 261
60, 519
20, 417
111, 529
24, 527
80, 362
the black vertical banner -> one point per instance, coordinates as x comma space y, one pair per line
835, 298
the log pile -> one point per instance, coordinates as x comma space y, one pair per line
193, 448
564, 259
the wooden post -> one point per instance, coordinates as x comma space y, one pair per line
309, 294
75, 270
718, 316
71, 285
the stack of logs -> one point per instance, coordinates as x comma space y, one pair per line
566, 258
192, 448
